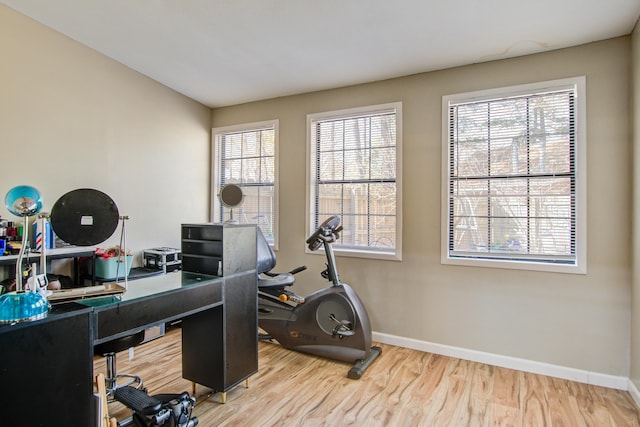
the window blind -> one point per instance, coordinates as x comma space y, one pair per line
355, 178
512, 178
247, 158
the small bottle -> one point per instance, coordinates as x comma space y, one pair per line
11, 232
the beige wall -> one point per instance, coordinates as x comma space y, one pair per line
578, 321
635, 301
72, 118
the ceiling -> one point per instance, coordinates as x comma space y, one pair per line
229, 52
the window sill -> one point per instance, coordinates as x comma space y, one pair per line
351, 253
516, 265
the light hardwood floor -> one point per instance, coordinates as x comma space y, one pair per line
402, 388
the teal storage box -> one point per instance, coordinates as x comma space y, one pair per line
106, 267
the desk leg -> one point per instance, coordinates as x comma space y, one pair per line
203, 357
223, 397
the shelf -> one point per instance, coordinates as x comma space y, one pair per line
57, 253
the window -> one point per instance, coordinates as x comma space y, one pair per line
245, 155
354, 165
514, 177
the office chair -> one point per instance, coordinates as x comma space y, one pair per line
109, 350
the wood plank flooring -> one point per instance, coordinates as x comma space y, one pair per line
402, 388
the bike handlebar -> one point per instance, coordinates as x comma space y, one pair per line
328, 231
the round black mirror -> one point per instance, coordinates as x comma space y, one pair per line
84, 217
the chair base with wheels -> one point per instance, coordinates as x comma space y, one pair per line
108, 350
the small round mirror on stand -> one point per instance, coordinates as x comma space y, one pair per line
231, 196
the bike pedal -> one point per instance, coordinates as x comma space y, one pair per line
348, 333
137, 400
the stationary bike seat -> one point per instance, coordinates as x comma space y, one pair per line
270, 281
280, 281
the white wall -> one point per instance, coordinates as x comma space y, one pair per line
72, 118
576, 321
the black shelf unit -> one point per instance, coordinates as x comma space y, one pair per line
228, 251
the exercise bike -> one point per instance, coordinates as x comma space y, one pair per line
331, 322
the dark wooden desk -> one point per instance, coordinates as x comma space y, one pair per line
46, 366
153, 301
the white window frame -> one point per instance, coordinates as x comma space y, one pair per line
216, 133
579, 265
396, 253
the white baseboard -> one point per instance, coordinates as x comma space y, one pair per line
587, 377
633, 391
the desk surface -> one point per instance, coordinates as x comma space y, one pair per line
153, 301
148, 287
156, 297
